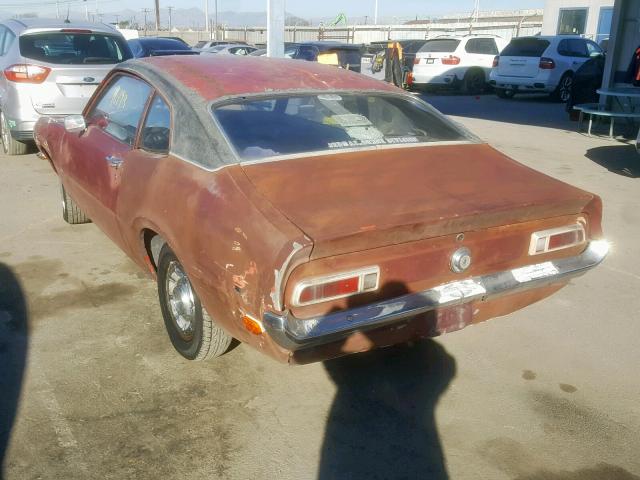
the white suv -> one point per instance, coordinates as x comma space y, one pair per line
462, 62
541, 64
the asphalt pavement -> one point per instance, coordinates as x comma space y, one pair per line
90, 386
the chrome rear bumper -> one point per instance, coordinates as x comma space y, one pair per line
293, 333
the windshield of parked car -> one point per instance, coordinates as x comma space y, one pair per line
74, 48
446, 45
525, 47
267, 127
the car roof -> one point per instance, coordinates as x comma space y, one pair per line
24, 24
212, 77
160, 41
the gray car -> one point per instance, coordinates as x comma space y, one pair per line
50, 68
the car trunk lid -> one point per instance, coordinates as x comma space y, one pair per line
355, 201
67, 89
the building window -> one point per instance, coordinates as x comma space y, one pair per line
604, 23
572, 21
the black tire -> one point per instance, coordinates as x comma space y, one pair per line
10, 146
505, 92
473, 83
203, 339
563, 90
71, 212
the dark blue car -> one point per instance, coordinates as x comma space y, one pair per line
155, 46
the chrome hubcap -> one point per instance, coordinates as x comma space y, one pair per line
180, 299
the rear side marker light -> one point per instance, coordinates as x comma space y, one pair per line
25, 73
557, 239
450, 60
331, 287
252, 325
496, 61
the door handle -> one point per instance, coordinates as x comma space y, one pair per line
114, 162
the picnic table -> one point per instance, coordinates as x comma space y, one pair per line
626, 110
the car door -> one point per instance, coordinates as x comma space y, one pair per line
96, 156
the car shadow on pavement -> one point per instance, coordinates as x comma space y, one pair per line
534, 110
14, 342
382, 420
617, 158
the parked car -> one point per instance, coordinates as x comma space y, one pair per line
541, 64
461, 62
50, 68
343, 55
586, 81
205, 44
156, 46
178, 39
205, 185
229, 49
260, 52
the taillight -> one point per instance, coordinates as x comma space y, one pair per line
331, 287
496, 61
556, 239
450, 60
25, 73
547, 63
416, 61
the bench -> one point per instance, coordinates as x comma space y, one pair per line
599, 110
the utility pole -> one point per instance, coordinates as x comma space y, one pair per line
96, 16
157, 15
86, 11
57, 9
117, 20
145, 11
170, 8
275, 28
216, 19
375, 13
206, 16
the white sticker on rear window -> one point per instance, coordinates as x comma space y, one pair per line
533, 272
350, 120
373, 141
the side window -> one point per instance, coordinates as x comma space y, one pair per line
563, 48
578, 47
593, 48
482, 46
156, 131
3, 34
120, 108
8, 41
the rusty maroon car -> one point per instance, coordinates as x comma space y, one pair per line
309, 211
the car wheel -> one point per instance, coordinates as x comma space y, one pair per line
563, 90
71, 212
473, 83
10, 146
192, 331
505, 92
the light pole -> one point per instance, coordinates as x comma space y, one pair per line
206, 16
215, 19
375, 13
275, 28
170, 8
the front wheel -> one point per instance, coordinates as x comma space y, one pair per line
10, 146
192, 331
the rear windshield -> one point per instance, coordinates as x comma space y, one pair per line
267, 127
446, 45
525, 47
74, 48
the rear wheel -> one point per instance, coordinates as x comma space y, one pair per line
192, 331
10, 146
71, 212
474, 82
562, 93
505, 92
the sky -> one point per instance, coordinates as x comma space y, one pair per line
302, 8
